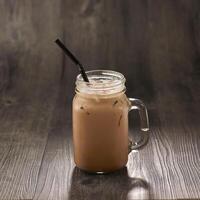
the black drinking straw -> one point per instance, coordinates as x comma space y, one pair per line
73, 58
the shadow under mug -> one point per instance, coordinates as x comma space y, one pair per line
117, 186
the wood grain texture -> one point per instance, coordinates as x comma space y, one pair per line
23, 137
155, 44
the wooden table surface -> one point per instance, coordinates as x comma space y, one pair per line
37, 157
155, 44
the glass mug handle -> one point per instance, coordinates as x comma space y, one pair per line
136, 104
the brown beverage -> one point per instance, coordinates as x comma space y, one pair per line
100, 122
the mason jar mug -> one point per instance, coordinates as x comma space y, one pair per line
100, 122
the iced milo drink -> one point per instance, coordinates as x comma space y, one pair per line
100, 122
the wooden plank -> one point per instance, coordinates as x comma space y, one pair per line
30, 61
29, 76
55, 173
23, 137
170, 162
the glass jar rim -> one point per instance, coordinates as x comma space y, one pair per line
101, 82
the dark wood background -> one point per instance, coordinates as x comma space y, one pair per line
155, 44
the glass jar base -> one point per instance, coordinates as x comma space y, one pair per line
101, 172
